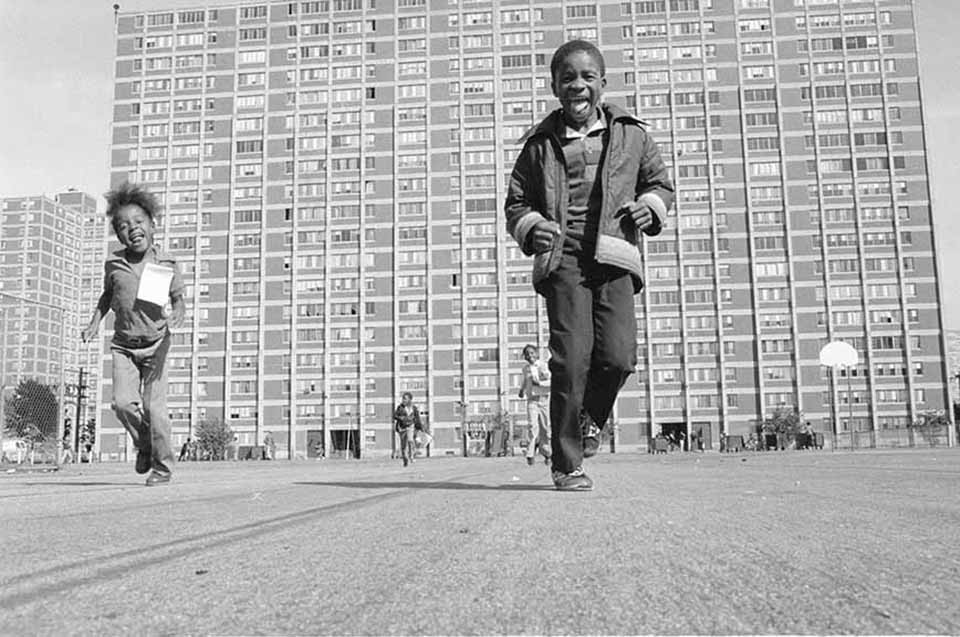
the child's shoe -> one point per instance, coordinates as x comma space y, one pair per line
576, 480
156, 478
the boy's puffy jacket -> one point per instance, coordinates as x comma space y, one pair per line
632, 170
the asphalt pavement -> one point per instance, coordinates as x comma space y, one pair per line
862, 542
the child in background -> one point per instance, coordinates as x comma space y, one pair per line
536, 391
406, 422
141, 329
588, 181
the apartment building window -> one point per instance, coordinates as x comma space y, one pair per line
764, 47
253, 13
582, 11
159, 19
411, 44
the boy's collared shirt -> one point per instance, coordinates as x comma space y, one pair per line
599, 125
583, 153
137, 322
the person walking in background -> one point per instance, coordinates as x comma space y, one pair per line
185, 450
587, 182
535, 389
269, 447
406, 421
145, 307
67, 456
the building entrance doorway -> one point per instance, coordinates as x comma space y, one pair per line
675, 433
315, 446
344, 443
701, 436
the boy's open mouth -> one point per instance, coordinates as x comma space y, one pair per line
579, 106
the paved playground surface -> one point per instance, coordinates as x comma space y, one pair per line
778, 542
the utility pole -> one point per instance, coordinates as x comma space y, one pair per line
78, 420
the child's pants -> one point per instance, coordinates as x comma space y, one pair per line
140, 398
593, 348
406, 443
538, 422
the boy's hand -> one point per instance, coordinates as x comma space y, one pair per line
177, 314
89, 332
544, 234
640, 212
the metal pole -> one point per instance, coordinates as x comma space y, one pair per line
853, 443
3, 370
834, 412
62, 393
505, 414
463, 425
76, 429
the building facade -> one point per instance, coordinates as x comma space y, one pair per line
42, 292
334, 172
93, 244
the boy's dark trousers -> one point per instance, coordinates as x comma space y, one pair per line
593, 347
140, 398
406, 443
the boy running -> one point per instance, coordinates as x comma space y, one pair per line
141, 329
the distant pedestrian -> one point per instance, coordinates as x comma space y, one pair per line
67, 448
535, 389
269, 447
406, 422
588, 181
808, 436
144, 289
695, 440
185, 450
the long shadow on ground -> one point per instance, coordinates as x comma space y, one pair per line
414, 484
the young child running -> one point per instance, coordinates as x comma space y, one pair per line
141, 328
588, 180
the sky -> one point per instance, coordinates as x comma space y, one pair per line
56, 79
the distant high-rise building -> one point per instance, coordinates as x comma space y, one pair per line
334, 173
93, 243
43, 291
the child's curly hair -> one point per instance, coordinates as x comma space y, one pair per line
131, 194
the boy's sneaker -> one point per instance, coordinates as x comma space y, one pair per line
576, 480
530, 460
591, 435
156, 479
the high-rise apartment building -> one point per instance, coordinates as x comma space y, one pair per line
92, 252
334, 173
41, 290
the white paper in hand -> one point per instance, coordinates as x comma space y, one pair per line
155, 284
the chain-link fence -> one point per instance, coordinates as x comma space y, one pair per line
901, 437
34, 382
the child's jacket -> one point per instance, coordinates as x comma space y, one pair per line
632, 170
